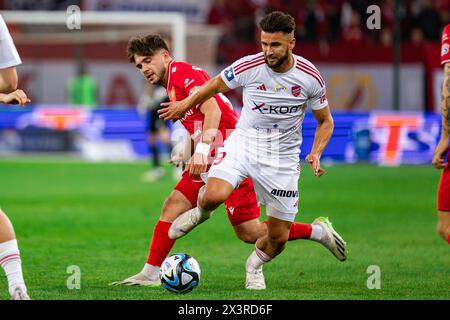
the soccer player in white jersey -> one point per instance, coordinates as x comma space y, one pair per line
9, 251
278, 86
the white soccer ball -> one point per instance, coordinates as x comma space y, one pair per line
180, 273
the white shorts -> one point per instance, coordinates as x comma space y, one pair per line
275, 178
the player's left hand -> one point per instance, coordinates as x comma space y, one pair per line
197, 164
314, 163
15, 97
171, 110
439, 154
177, 156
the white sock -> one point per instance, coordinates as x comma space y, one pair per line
12, 265
203, 213
151, 272
256, 260
316, 232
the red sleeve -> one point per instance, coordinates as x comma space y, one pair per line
188, 79
445, 50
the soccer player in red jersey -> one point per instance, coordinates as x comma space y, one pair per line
442, 149
209, 124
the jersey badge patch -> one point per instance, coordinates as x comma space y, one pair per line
193, 90
229, 74
445, 49
296, 90
279, 88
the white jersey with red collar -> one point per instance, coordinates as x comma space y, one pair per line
8, 52
274, 104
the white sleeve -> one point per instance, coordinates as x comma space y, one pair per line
235, 79
8, 52
318, 97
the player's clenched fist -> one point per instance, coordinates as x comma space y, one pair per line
15, 97
314, 163
439, 154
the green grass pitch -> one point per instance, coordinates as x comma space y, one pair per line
100, 217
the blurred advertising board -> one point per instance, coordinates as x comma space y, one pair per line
384, 138
349, 87
366, 87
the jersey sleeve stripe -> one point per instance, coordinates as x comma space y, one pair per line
313, 70
249, 61
310, 66
250, 66
311, 74
237, 69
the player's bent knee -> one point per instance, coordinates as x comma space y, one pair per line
211, 199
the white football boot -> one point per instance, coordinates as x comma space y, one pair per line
20, 294
331, 239
184, 223
139, 279
254, 277
255, 280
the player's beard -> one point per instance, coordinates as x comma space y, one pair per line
162, 81
160, 77
278, 63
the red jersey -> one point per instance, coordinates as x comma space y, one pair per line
445, 49
183, 80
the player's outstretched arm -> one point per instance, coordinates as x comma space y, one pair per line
324, 130
442, 147
199, 161
176, 109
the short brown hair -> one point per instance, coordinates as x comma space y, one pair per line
277, 21
145, 46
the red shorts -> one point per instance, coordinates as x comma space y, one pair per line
443, 201
241, 205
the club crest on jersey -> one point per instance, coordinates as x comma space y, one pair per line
229, 74
296, 90
279, 88
172, 95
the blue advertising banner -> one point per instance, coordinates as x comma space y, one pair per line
384, 138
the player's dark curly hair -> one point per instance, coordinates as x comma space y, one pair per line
277, 21
145, 46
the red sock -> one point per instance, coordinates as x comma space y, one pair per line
299, 231
161, 244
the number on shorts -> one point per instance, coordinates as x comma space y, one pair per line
219, 158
